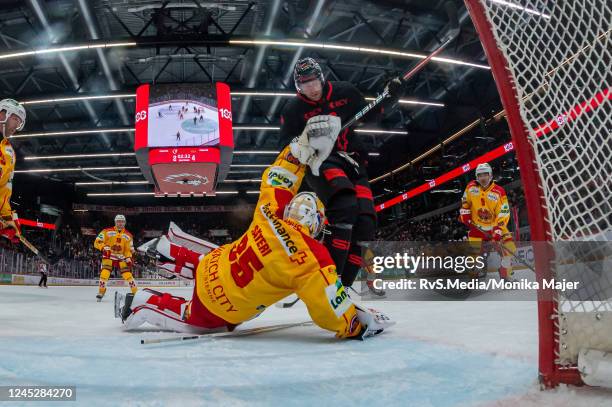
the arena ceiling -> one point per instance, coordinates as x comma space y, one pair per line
80, 102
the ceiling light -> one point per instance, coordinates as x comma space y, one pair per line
76, 169
76, 156
66, 48
73, 132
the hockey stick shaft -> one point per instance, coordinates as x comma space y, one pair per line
27, 244
379, 99
33, 249
502, 247
232, 334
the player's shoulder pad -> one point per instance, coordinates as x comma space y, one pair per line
128, 233
108, 229
498, 189
470, 184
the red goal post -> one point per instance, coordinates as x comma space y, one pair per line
551, 63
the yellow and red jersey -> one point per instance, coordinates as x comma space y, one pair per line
121, 242
489, 206
7, 168
273, 259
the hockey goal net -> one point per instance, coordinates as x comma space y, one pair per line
551, 61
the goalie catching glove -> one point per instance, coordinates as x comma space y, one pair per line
317, 141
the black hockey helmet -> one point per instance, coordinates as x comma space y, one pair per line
305, 70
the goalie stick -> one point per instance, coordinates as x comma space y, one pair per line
232, 334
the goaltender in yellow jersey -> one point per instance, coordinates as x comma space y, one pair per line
277, 256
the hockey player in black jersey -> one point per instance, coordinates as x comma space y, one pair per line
341, 181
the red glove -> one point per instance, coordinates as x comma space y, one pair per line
465, 216
497, 233
106, 252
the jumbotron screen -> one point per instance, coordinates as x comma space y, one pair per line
184, 140
181, 115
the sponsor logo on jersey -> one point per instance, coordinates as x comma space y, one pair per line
299, 257
338, 299
492, 197
100, 236
484, 215
474, 190
291, 158
11, 153
278, 227
338, 103
281, 177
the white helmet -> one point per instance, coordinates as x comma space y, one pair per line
11, 106
484, 168
120, 218
306, 209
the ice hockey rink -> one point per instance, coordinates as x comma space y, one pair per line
165, 123
440, 353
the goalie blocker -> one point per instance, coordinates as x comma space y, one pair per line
277, 256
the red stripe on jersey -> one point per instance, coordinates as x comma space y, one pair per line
341, 244
334, 173
353, 258
319, 251
305, 99
324, 277
363, 192
282, 198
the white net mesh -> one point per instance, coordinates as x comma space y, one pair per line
559, 57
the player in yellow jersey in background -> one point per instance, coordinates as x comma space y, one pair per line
117, 247
280, 254
486, 212
12, 119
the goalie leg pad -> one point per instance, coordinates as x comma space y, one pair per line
177, 259
163, 310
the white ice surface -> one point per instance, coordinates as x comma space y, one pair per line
480, 353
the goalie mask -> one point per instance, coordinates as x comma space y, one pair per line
308, 210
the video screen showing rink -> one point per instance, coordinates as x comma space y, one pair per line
182, 115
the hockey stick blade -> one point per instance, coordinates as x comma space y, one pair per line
288, 304
232, 334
